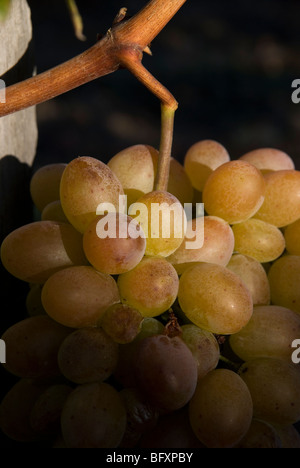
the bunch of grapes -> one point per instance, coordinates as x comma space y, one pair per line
137, 338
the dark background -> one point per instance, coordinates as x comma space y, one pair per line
230, 65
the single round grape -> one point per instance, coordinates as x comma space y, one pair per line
45, 184
85, 184
54, 212
260, 435
93, 416
87, 355
269, 159
282, 325
258, 239
234, 191
166, 372
35, 251
292, 238
201, 159
163, 221
208, 239
204, 347
221, 409
284, 279
78, 296
32, 345
122, 323
114, 243
215, 299
151, 287
253, 274
33, 301
274, 385
281, 205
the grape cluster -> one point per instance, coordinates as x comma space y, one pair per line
139, 340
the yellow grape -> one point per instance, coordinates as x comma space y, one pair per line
135, 167
179, 183
269, 159
151, 287
201, 159
54, 212
260, 435
85, 184
284, 279
221, 409
215, 299
292, 238
163, 221
234, 191
215, 239
258, 239
282, 325
122, 323
35, 251
45, 184
78, 296
274, 385
253, 274
281, 205
114, 243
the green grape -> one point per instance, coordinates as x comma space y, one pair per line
35, 251
16, 407
45, 184
284, 279
269, 159
78, 296
234, 191
201, 159
281, 205
282, 325
215, 299
122, 323
151, 287
121, 250
289, 436
204, 347
32, 345
166, 372
33, 301
253, 274
87, 355
208, 239
221, 409
274, 385
54, 212
292, 238
260, 435
141, 416
163, 220
87, 183
46, 411
93, 416
258, 239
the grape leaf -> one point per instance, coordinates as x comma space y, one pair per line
4, 8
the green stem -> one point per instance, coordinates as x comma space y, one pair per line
76, 19
233, 365
165, 150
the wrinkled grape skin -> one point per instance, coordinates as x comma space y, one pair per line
35, 251
218, 243
45, 184
253, 274
269, 159
166, 372
258, 239
87, 355
93, 417
284, 279
86, 182
234, 191
32, 345
215, 299
221, 409
201, 159
78, 296
282, 325
274, 385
